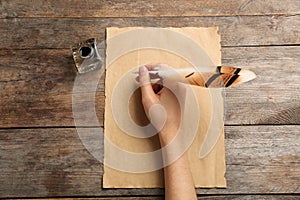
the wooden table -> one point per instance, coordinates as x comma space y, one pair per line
40, 152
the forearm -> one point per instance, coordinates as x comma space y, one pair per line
179, 182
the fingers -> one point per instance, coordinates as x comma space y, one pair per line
144, 80
152, 66
152, 76
158, 66
148, 96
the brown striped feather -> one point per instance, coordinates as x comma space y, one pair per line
224, 76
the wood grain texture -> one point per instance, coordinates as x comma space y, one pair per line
141, 8
202, 197
53, 162
273, 97
41, 33
36, 88
37, 76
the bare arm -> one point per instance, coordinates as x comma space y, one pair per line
179, 183
164, 113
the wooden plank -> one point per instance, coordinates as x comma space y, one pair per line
203, 197
105, 198
28, 33
37, 88
256, 153
140, 8
273, 97
53, 162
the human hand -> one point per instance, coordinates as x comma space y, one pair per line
162, 108
164, 111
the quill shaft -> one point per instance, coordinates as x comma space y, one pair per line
225, 76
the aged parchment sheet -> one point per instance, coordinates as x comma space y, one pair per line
208, 171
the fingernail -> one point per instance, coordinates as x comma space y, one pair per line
143, 70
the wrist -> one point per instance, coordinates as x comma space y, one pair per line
167, 134
172, 141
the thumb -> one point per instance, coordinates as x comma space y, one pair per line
148, 96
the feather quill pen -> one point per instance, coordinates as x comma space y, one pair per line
223, 76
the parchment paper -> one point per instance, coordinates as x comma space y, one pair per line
208, 171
